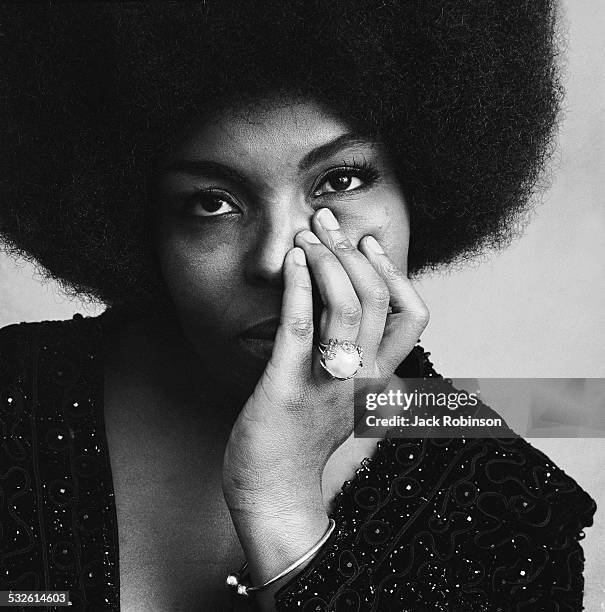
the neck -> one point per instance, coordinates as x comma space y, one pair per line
153, 354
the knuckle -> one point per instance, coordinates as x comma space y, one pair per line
303, 282
301, 327
393, 272
382, 371
342, 243
326, 258
379, 296
423, 315
420, 316
350, 314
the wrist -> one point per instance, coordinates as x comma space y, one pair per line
272, 542
265, 592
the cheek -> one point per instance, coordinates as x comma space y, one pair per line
388, 222
199, 280
395, 237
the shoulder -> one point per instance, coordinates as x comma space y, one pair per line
35, 356
488, 479
504, 521
495, 516
15, 338
484, 481
16, 346
18, 339
458, 523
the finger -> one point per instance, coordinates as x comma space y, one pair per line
371, 290
292, 351
409, 315
342, 313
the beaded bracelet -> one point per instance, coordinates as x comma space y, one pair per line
234, 579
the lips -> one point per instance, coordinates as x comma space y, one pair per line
259, 339
265, 330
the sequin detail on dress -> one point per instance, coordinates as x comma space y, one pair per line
57, 514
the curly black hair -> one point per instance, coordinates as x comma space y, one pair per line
465, 94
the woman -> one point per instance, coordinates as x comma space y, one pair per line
242, 184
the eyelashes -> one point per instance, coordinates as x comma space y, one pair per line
339, 180
208, 203
213, 203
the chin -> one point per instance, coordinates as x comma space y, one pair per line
229, 369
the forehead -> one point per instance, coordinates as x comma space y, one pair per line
270, 133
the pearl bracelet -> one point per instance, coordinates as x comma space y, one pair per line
234, 579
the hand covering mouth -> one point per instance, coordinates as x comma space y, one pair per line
266, 330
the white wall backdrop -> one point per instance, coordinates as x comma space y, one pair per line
536, 310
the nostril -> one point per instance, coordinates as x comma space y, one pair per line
264, 265
273, 237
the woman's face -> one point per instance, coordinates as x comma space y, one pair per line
234, 192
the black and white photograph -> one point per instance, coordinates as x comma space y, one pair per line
302, 306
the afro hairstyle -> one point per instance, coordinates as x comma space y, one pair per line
465, 95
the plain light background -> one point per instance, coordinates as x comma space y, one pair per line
535, 310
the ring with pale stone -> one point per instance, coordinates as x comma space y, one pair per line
341, 359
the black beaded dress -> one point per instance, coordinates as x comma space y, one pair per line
456, 525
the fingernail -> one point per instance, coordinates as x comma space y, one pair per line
299, 256
310, 237
327, 219
374, 246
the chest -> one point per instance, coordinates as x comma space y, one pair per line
176, 541
176, 538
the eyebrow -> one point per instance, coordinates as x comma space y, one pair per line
198, 167
331, 148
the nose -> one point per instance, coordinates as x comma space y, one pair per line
274, 237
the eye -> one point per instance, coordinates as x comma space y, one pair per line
209, 203
345, 179
340, 181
